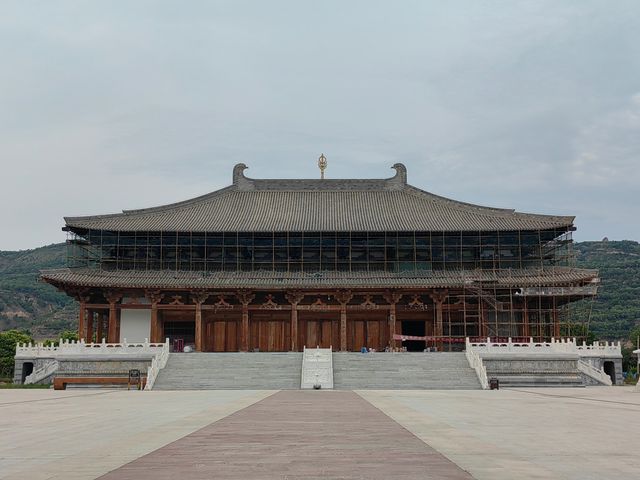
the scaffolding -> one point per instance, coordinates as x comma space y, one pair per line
482, 302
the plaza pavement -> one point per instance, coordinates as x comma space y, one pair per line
588, 433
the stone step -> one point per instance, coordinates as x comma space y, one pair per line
432, 370
255, 371
429, 370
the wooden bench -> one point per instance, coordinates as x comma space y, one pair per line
60, 383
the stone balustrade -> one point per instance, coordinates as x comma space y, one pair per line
81, 348
157, 363
595, 373
317, 368
476, 363
598, 349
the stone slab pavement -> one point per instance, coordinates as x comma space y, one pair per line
83, 433
297, 434
585, 433
543, 433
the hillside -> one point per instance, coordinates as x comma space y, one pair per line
617, 309
27, 303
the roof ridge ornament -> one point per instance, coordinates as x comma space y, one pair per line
399, 180
239, 180
322, 165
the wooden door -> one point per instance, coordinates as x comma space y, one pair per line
369, 330
319, 330
270, 332
221, 331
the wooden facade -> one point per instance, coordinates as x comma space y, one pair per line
346, 320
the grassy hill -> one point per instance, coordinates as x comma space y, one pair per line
617, 308
27, 303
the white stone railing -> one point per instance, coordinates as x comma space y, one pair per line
476, 363
598, 349
593, 372
317, 367
39, 374
80, 348
157, 363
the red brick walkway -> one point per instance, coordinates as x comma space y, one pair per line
297, 435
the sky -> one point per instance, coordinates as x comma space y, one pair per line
105, 106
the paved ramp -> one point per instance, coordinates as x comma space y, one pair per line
295, 435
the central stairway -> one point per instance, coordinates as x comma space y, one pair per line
237, 371
283, 371
403, 371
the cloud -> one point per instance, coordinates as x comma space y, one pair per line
531, 106
607, 149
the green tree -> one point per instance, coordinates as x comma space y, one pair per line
634, 336
67, 335
8, 342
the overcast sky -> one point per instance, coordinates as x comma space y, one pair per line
118, 105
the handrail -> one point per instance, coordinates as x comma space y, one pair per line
72, 348
158, 362
565, 345
593, 372
476, 363
317, 362
41, 373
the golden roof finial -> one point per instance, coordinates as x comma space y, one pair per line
322, 164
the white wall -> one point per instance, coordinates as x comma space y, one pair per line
135, 325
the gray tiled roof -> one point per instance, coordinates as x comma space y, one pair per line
282, 280
320, 205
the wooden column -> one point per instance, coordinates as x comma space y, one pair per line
294, 298
439, 324
343, 297
556, 320
392, 298
100, 327
199, 298
118, 324
245, 297
343, 327
81, 320
526, 331
439, 297
198, 327
155, 297
90, 319
113, 298
154, 334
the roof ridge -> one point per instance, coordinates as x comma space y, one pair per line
315, 205
244, 183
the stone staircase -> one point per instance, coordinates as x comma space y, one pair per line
239, 371
398, 371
